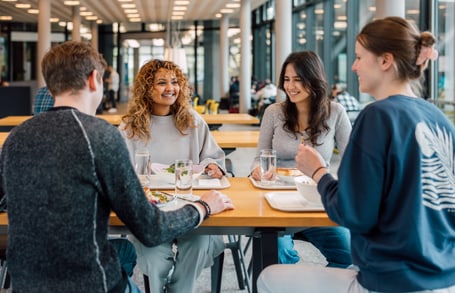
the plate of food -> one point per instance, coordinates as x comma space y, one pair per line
166, 173
158, 198
288, 174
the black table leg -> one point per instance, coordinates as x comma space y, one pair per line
265, 251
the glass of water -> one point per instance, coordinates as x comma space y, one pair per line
142, 166
183, 177
268, 166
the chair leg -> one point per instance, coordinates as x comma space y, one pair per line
4, 275
238, 267
217, 273
146, 284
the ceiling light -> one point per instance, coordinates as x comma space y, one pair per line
138, 19
33, 11
130, 11
54, 19
181, 2
91, 17
133, 15
25, 6
99, 21
218, 15
6, 17
82, 8
9, 1
128, 5
178, 12
233, 5
71, 3
86, 13
226, 10
125, 0
176, 17
179, 8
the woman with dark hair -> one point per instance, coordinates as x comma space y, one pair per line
396, 183
307, 115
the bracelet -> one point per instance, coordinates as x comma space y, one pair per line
208, 211
316, 171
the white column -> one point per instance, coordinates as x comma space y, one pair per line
94, 32
224, 56
386, 8
283, 35
76, 33
44, 36
245, 59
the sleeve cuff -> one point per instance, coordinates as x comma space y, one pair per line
201, 213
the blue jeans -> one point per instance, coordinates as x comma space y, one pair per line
333, 242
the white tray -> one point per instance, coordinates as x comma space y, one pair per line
291, 202
277, 185
203, 182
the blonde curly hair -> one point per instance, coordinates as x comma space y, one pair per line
138, 116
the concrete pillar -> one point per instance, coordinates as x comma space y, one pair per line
94, 32
76, 33
224, 56
386, 8
44, 36
245, 59
283, 34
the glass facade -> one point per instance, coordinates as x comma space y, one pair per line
327, 27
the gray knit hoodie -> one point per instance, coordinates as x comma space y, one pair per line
63, 172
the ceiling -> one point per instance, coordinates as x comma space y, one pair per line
109, 11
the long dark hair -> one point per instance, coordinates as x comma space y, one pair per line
311, 71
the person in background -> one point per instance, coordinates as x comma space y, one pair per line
307, 115
43, 100
350, 103
265, 97
396, 182
69, 173
113, 83
160, 119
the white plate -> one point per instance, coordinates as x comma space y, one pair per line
291, 202
277, 185
202, 182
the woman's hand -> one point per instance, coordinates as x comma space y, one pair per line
308, 160
217, 201
214, 171
256, 173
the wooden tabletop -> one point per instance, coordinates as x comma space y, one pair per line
231, 118
225, 139
115, 119
16, 120
237, 139
3, 136
253, 210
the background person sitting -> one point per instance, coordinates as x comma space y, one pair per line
349, 102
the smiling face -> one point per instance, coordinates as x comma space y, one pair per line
165, 91
294, 87
368, 70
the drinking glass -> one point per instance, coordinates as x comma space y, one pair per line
142, 166
267, 159
183, 177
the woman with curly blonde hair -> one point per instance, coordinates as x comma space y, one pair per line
160, 119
